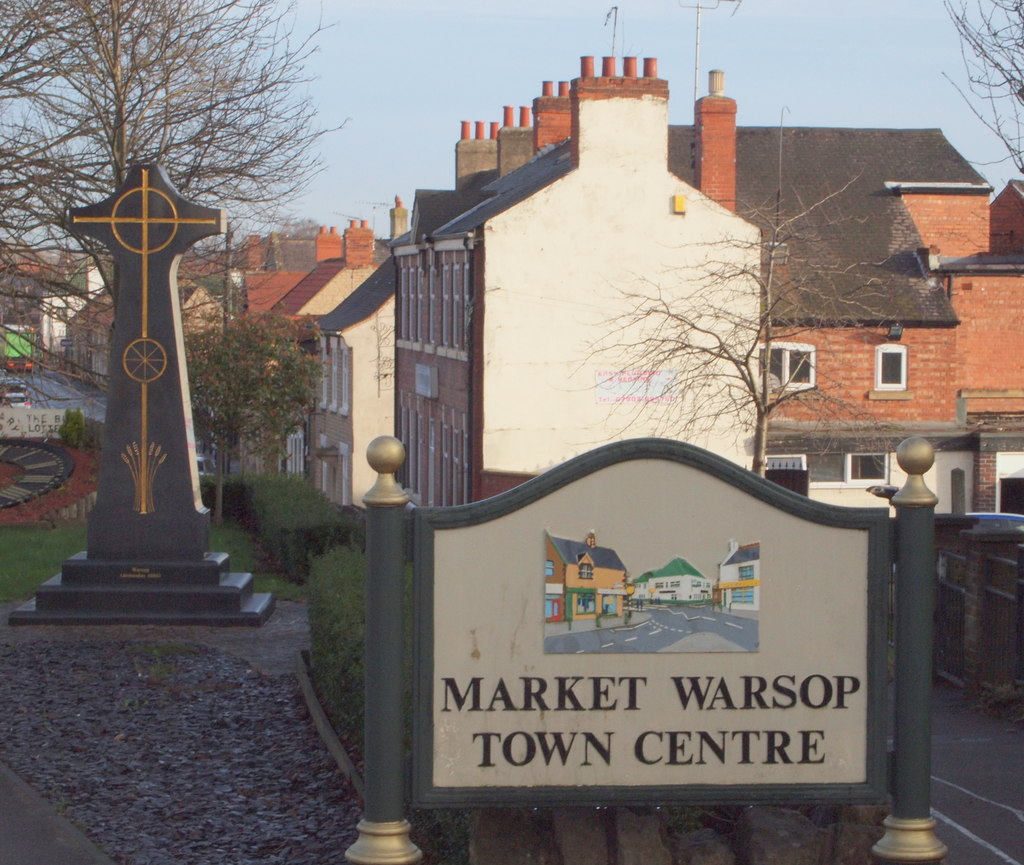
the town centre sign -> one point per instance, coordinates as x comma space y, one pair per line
648, 622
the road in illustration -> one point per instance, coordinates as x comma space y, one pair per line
664, 629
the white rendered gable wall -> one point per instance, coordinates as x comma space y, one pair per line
557, 266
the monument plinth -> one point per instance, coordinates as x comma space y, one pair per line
148, 535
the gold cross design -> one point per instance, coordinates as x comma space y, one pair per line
145, 359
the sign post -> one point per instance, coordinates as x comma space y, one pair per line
384, 831
910, 829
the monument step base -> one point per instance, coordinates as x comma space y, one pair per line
79, 569
230, 603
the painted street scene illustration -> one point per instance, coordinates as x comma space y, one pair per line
594, 603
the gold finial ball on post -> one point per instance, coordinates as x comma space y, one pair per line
385, 454
915, 456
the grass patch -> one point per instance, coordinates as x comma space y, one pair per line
30, 556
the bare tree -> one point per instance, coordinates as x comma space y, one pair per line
734, 345
992, 45
212, 89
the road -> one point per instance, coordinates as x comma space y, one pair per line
977, 786
665, 629
58, 391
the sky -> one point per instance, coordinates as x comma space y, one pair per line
399, 76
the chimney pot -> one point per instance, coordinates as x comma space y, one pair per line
352, 223
507, 120
607, 67
328, 244
364, 223
480, 130
547, 88
465, 130
586, 67
495, 126
524, 116
563, 88
650, 67
629, 67
716, 82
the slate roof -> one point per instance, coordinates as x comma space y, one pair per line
852, 256
505, 192
746, 553
572, 551
370, 296
856, 248
435, 207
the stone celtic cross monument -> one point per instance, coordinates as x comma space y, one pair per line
148, 535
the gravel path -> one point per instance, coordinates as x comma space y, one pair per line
172, 752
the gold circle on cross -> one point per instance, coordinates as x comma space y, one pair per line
145, 360
168, 225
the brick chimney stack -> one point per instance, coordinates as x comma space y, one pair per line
328, 244
254, 257
715, 132
552, 115
474, 155
358, 244
399, 219
515, 143
637, 122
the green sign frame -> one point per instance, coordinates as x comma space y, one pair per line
707, 484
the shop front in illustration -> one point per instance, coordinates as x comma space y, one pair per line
595, 602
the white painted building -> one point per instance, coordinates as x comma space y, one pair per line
515, 350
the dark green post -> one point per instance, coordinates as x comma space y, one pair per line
384, 831
910, 829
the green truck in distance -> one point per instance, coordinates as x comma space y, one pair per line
19, 348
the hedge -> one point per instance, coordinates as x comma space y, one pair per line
336, 598
293, 522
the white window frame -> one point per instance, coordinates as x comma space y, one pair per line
458, 301
325, 360
787, 348
446, 305
343, 354
881, 351
848, 480
867, 482
345, 474
432, 305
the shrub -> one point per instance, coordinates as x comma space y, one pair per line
336, 599
72, 430
235, 497
296, 523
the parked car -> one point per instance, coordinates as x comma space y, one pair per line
999, 522
15, 393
